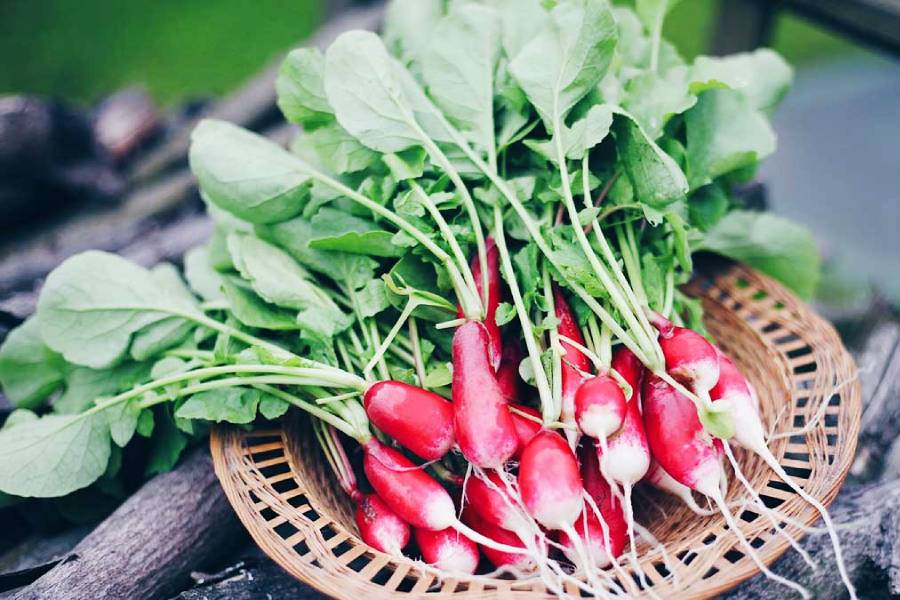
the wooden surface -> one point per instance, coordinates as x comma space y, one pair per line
176, 523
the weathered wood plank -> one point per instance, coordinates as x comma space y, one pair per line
176, 523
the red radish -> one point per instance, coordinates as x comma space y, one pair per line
508, 373
484, 427
407, 489
749, 433
626, 458
448, 550
490, 500
380, 527
549, 481
600, 407
574, 362
604, 540
419, 420
658, 478
411, 493
519, 561
690, 358
525, 428
687, 452
494, 294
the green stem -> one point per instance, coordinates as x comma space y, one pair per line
344, 427
411, 305
556, 347
614, 290
549, 410
376, 338
417, 351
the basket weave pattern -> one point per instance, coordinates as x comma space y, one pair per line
280, 486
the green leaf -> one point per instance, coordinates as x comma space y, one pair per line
29, 370
295, 236
458, 67
253, 311
656, 178
201, 275
522, 20
506, 312
164, 334
341, 231
375, 98
652, 98
167, 444
777, 247
246, 174
123, 421
762, 76
406, 164
340, 151
583, 135
724, 134
567, 58
707, 205
84, 386
301, 93
372, 298
280, 280
145, 423
19, 416
682, 248
54, 455
575, 266
439, 375
272, 408
94, 302
408, 26
231, 405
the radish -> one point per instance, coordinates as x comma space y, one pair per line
379, 526
604, 531
574, 363
518, 561
483, 425
448, 550
688, 453
411, 493
494, 293
658, 478
749, 433
625, 457
549, 481
419, 420
508, 372
690, 359
600, 407
526, 428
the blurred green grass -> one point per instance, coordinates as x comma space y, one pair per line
83, 49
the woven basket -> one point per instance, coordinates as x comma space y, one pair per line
281, 488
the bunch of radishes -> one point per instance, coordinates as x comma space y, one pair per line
554, 497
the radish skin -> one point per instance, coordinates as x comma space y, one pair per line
519, 561
483, 425
549, 481
508, 373
658, 478
525, 428
379, 526
419, 420
690, 359
600, 407
494, 294
627, 456
448, 550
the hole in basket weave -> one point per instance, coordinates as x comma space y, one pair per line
786, 339
661, 569
709, 540
742, 283
286, 530
341, 548
805, 368
406, 585
757, 543
760, 295
268, 514
382, 576
359, 563
770, 501
802, 351
712, 571
301, 548
273, 470
328, 532
770, 327
733, 556
749, 516
798, 472
285, 485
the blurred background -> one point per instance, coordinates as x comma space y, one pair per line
837, 169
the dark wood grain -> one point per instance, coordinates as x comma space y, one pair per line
176, 523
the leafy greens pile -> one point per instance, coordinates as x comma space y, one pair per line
568, 130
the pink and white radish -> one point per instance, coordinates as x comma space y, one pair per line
421, 421
508, 372
448, 550
483, 425
526, 426
517, 561
734, 388
574, 364
600, 407
690, 455
658, 478
379, 526
493, 297
690, 358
